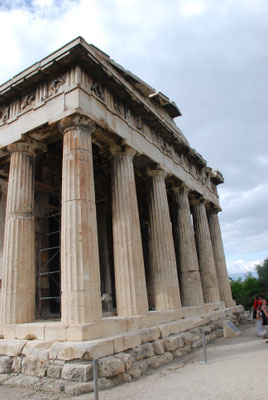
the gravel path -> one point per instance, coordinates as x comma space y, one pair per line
238, 372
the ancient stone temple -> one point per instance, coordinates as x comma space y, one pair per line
109, 218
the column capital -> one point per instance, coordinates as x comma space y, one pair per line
122, 149
199, 201
213, 209
76, 121
156, 172
29, 147
180, 188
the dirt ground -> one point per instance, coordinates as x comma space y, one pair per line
238, 371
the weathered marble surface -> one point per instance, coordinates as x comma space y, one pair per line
163, 276
191, 287
131, 293
18, 285
80, 275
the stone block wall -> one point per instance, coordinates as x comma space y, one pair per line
37, 364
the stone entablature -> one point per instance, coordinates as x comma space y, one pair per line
75, 89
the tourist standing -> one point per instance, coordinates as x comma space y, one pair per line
260, 315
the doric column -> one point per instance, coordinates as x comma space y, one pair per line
18, 286
219, 257
190, 281
130, 284
205, 253
164, 285
80, 275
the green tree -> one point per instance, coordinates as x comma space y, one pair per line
251, 285
237, 288
244, 291
262, 271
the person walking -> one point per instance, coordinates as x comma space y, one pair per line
261, 305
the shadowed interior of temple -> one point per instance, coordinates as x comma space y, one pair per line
47, 232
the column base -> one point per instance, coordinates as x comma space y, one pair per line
111, 326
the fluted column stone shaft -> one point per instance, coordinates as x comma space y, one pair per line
130, 283
164, 284
219, 257
205, 254
80, 275
18, 286
190, 280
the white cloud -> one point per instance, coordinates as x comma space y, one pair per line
191, 8
244, 221
43, 3
240, 267
31, 36
263, 160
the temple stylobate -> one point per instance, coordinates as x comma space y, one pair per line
107, 212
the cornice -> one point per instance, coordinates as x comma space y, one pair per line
96, 62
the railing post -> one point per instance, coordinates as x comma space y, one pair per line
95, 377
205, 360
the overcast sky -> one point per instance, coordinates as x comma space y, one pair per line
209, 56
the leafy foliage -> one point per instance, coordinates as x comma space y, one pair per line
244, 291
251, 285
262, 271
237, 288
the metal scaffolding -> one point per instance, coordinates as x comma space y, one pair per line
46, 258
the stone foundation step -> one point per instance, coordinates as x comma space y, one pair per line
68, 366
76, 377
108, 326
88, 350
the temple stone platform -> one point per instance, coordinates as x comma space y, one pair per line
42, 360
109, 326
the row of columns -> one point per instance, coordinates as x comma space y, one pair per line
203, 275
